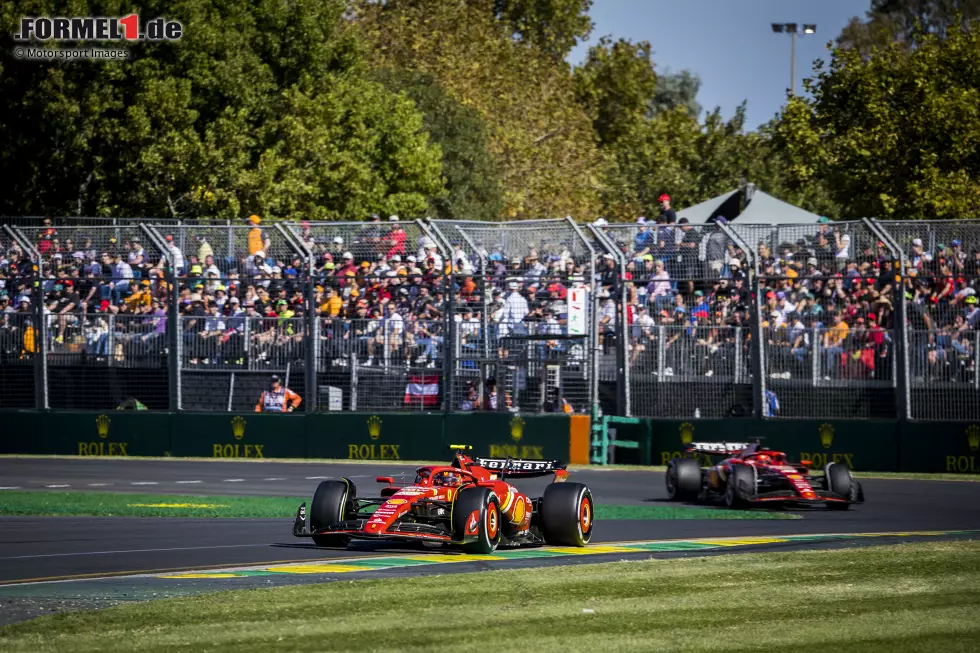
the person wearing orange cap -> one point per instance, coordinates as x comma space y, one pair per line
667, 214
258, 241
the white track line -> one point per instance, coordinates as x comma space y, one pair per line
275, 478
9, 487
316, 478
144, 483
98, 484
188, 481
57, 486
234, 480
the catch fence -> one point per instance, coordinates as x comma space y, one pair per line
861, 319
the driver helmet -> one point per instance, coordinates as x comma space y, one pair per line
448, 479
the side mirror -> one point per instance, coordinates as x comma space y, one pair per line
386, 479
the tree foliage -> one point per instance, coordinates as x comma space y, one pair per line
260, 107
894, 135
907, 22
554, 26
473, 187
540, 138
615, 85
676, 90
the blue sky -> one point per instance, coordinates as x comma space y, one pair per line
728, 43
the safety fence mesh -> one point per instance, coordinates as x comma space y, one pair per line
530, 316
688, 309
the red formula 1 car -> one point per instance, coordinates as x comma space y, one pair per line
752, 475
467, 503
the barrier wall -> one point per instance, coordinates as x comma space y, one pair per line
951, 447
930, 447
351, 436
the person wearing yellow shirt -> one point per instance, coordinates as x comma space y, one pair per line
257, 240
139, 296
833, 344
333, 304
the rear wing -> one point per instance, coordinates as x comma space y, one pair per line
522, 468
718, 448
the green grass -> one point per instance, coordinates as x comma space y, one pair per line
108, 504
910, 597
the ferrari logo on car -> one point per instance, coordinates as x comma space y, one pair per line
826, 435
973, 437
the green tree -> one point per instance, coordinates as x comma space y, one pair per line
554, 26
540, 138
906, 21
197, 127
676, 90
473, 187
615, 84
896, 134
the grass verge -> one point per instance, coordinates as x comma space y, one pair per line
910, 597
108, 504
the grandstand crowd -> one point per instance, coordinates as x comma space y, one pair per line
384, 292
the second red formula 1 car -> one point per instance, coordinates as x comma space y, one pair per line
467, 503
753, 475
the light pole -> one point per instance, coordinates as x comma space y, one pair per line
791, 29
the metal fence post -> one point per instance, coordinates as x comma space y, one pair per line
449, 333
41, 345
903, 387
757, 363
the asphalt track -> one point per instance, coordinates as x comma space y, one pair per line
42, 548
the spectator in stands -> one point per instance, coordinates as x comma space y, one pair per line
258, 240
667, 214
278, 398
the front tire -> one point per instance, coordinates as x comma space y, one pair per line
740, 487
477, 509
839, 480
567, 514
683, 479
329, 506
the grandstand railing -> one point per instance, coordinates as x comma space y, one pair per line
679, 321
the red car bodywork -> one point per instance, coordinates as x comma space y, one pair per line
421, 510
777, 480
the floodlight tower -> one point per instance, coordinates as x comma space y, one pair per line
793, 29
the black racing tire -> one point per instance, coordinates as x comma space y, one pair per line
329, 506
740, 486
683, 479
837, 478
485, 503
567, 514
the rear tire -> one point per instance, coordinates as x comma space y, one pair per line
567, 514
484, 502
839, 480
740, 488
329, 506
683, 479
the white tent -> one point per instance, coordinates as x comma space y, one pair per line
765, 209
700, 213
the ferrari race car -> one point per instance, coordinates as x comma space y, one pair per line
467, 503
753, 475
